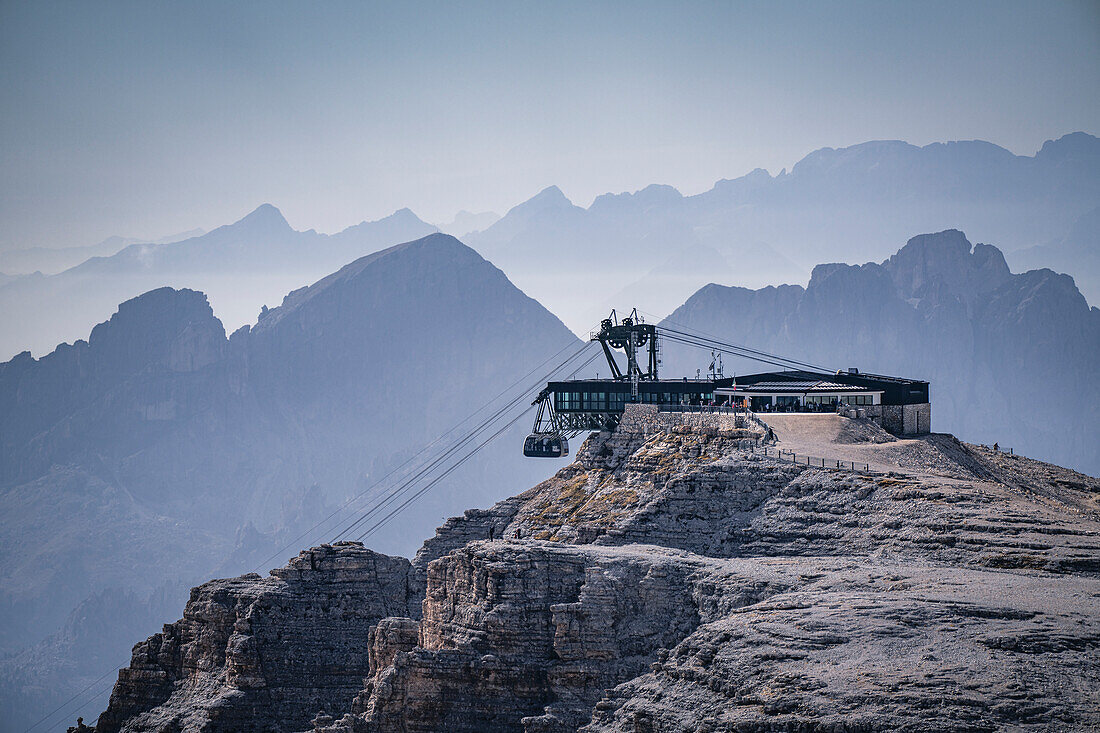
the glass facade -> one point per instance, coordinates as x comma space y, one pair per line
590, 400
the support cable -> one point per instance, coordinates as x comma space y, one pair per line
709, 345
470, 435
380, 523
699, 333
410, 460
742, 351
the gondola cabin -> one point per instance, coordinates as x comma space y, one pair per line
545, 445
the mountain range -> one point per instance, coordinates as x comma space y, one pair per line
52, 260
654, 245
848, 204
162, 443
241, 267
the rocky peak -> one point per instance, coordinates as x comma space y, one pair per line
254, 653
947, 258
441, 255
398, 224
543, 208
264, 219
755, 180
175, 328
1075, 145
652, 195
549, 197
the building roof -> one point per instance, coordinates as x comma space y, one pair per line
798, 386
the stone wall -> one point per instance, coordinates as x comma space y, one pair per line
903, 419
648, 420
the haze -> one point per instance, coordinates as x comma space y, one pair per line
146, 119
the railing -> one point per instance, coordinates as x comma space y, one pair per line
814, 461
751, 417
719, 409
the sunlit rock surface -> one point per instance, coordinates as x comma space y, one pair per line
675, 578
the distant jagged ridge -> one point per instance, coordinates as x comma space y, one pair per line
1011, 357
849, 204
240, 266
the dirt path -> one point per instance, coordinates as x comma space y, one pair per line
832, 436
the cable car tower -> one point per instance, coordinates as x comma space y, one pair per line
630, 336
550, 434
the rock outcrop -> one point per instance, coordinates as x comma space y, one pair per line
881, 646
263, 654
531, 633
675, 577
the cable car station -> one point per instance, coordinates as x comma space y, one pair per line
567, 408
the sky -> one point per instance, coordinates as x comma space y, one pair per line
145, 119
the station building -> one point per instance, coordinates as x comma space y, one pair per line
900, 406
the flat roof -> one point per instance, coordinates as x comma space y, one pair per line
795, 387
801, 375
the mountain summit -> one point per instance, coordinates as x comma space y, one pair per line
264, 219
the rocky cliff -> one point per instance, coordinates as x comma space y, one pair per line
255, 653
675, 577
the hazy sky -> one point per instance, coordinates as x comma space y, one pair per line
148, 118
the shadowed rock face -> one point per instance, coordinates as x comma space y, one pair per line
674, 578
263, 654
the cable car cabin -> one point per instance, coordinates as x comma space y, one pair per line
545, 445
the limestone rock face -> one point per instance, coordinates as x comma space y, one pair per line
263, 654
675, 577
879, 647
528, 635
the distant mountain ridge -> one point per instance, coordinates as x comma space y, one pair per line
53, 260
1077, 253
846, 204
240, 266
